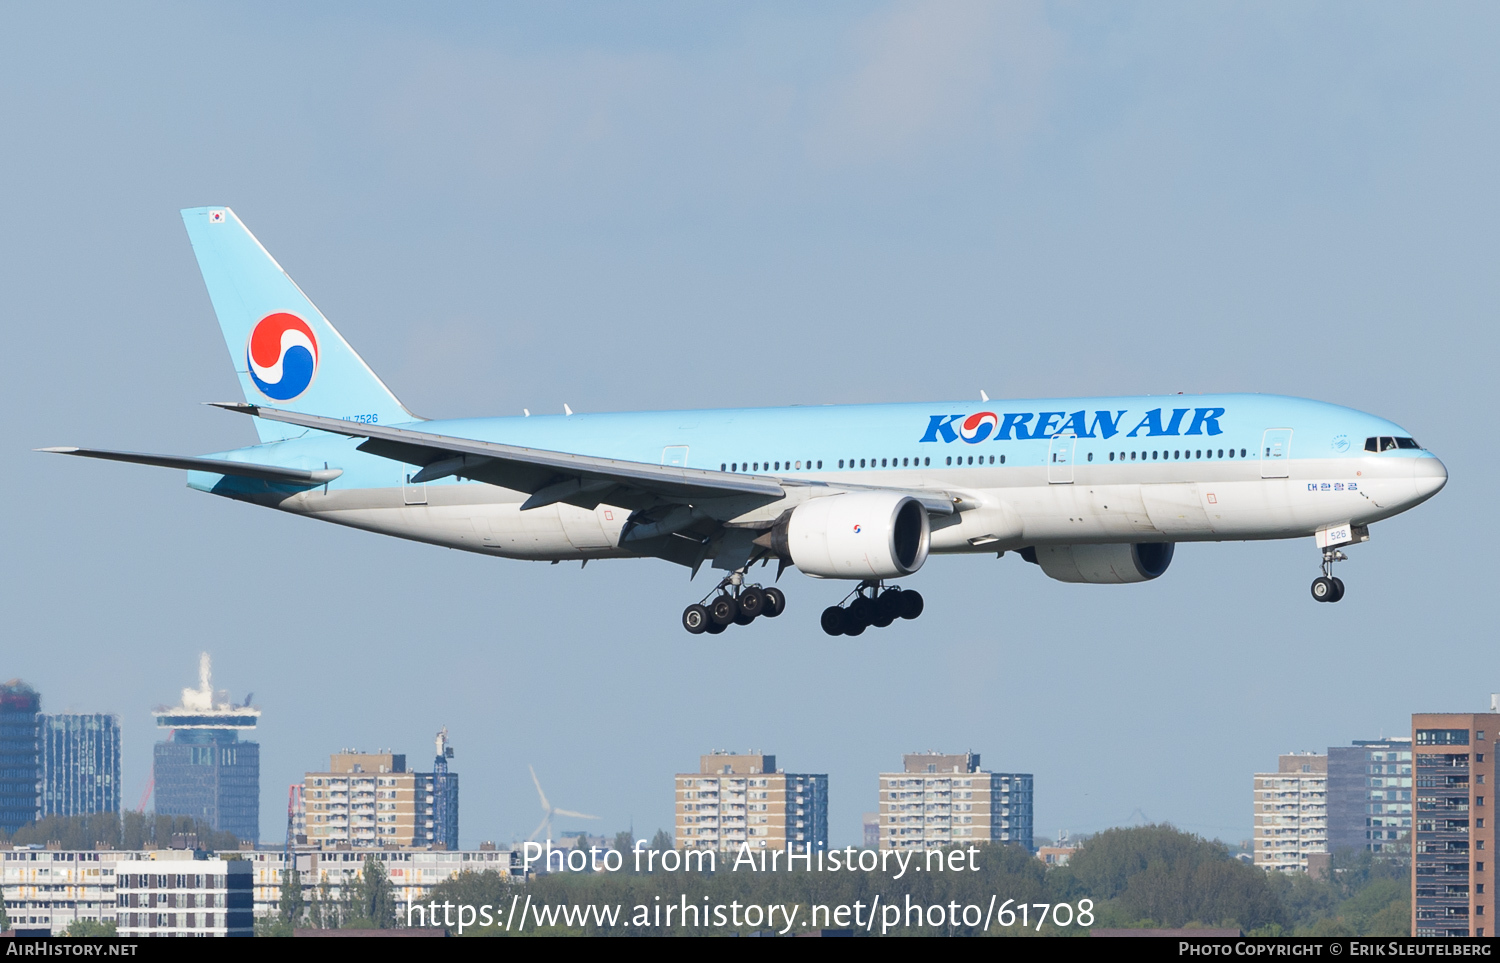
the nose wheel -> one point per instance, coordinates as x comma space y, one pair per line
733, 602
871, 604
1329, 587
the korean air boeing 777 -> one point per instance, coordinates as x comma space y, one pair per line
1087, 489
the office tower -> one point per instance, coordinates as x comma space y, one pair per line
1369, 796
372, 799
1453, 859
80, 763
20, 767
204, 769
736, 799
941, 799
1291, 813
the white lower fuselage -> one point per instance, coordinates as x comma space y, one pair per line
1014, 506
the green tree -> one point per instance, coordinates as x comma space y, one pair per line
4, 919
374, 898
323, 910
662, 841
291, 904
273, 926
91, 928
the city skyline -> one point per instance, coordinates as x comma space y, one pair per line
1250, 833
510, 208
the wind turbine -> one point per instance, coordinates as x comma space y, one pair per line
550, 811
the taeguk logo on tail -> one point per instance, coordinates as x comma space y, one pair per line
283, 356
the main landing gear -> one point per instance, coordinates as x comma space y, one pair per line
1328, 587
871, 605
734, 603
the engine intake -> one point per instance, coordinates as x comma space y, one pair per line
855, 535
1102, 564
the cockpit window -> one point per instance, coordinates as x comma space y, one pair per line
1387, 443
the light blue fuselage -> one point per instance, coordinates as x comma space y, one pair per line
1041, 471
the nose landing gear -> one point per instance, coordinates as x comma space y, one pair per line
872, 605
733, 603
1328, 587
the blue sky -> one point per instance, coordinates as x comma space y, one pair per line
695, 205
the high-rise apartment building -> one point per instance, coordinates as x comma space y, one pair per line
204, 769
1291, 812
80, 756
942, 799
20, 765
185, 897
1453, 844
738, 798
1369, 796
370, 799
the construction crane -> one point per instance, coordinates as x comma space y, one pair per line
293, 803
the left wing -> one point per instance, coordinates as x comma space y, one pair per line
581, 480
547, 476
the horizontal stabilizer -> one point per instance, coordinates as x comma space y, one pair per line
219, 466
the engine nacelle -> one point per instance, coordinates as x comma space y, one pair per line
1102, 564
856, 535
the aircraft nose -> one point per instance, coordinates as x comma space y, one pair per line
1428, 476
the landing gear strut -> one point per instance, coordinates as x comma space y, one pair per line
872, 604
1328, 587
732, 602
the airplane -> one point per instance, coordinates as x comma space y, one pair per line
1090, 490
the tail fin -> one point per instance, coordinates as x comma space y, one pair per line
286, 353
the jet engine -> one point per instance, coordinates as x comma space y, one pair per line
1102, 564
855, 535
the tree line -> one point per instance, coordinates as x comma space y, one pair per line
1143, 877
129, 830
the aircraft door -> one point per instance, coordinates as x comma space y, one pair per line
1060, 459
412, 494
1276, 453
675, 456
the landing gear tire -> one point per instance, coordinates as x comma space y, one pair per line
775, 602
715, 628
887, 608
695, 619
871, 604
723, 610
1324, 589
1338, 585
752, 604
